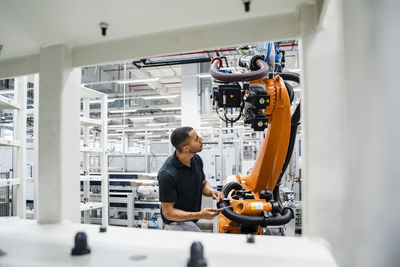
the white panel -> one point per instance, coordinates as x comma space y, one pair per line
324, 126
121, 246
372, 101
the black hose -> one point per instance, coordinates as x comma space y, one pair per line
239, 77
290, 76
290, 91
240, 219
281, 219
277, 196
293, 131
285, 217
229, 187
295, 121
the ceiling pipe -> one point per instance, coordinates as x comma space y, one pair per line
168, 63
199, 52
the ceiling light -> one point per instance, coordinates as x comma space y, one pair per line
123, 111
118, 126
139, 118
94, 101
139, 80
204, 75
156, 124
159, 96
171, 108
114, 134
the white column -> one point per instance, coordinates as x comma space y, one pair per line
86, 159
323, 120
104, 161
58, 181
21, 85
372, 108
35, 144
189, 98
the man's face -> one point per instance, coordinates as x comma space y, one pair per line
195, 142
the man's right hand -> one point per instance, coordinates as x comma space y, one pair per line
208, 213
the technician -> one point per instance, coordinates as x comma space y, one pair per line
182, 183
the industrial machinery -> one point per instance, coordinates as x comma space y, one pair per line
263, 97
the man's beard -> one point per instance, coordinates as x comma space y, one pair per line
195, 150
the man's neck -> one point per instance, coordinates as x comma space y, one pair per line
185, 158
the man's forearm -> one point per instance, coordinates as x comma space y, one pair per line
207, 189
180, 215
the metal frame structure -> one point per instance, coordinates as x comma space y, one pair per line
34, 113
87, 122
18, 104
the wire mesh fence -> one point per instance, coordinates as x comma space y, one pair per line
7, 193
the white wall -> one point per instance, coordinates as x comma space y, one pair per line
324, 121
372, 220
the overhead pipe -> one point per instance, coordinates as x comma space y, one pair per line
182, 54
168, 63
200, 52
162, 63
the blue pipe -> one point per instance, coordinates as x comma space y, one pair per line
158, 227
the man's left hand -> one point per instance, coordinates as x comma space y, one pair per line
217, 195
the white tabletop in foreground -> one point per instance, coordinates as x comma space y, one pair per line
27, 243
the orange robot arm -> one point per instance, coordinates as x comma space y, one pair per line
271, 157
253, 193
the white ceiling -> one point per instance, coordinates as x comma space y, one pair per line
26, 26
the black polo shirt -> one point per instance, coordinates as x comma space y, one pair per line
181, 184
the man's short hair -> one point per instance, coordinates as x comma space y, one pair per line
179, 136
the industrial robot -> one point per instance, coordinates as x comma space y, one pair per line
263, 97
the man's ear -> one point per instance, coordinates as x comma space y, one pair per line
185, 148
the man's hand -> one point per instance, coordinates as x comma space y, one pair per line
217, 195
208, 213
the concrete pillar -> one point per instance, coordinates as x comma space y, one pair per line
20, 92
372, 222
58, 180
189, 98
324, 120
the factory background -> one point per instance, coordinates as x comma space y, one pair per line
88, 105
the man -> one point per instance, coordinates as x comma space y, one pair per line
182, 182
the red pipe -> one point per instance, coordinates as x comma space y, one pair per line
288, 45
173, 83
